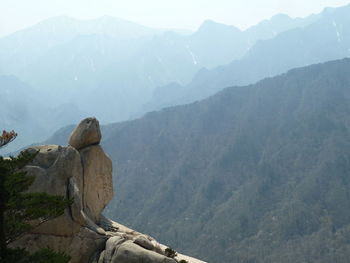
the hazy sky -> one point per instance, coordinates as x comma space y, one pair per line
187, 14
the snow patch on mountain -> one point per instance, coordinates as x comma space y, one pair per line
336, 30
192, 55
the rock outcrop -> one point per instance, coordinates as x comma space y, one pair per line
98, 186
83, 172
86, 133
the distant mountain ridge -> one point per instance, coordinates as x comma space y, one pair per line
27, 44
89, 48
319, 38
109, 67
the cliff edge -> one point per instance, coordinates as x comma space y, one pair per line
83, 172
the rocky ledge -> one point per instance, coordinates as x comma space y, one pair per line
83, 173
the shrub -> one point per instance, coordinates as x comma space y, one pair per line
171, 253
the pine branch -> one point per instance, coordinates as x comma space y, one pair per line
7, 137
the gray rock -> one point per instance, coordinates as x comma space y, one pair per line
102, 257
144, 242
98, 184
91, 225
111, 245
81, 247
53, 168
59, 171
85, 134
85, 244
129, 252
77, 206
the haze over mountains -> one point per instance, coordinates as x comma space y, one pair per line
110, 68
23, 109
249, 164
326, 38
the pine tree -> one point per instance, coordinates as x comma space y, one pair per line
19, 209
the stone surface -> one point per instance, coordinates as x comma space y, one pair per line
80, 246
85, 245
102, 257
91, 225
59, 171
144, 242
86, 133
129, 252
98, 185
77, 206
53, 168
111, 246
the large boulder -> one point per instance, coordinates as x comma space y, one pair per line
55, 168
111, 245
144, 242
59, 171
129, 252
81, 247
85, 134
98, 184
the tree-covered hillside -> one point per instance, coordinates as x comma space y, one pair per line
253, 174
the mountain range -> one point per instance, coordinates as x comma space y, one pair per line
245, 158
325, 38
255, 173
110, 67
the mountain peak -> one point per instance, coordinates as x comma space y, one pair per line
281, 17
111, 19
209, 22
212, 26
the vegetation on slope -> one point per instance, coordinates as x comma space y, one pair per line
21, 211
253, 174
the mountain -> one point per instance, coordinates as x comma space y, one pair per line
28, 44
132, 70
257, 173
278, 24
79, 62
82, 174
326, 38
109, 67
22, 110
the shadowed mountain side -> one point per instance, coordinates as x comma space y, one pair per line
253, 174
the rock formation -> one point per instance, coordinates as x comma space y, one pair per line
83, 172
85, 134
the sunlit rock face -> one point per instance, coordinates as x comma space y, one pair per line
85, 134
98, 187
83, 172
